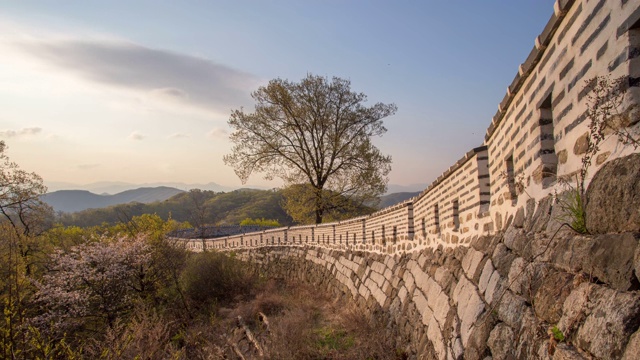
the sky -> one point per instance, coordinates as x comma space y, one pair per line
141, 91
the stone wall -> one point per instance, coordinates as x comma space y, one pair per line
455, 207
472, 266
499, 297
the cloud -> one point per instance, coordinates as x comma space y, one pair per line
87, 166
20, 133
169, 93
162, 74
178, 136
217, 133
136, 136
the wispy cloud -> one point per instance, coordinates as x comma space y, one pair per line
163, 75
20, 133
136, 136
178, 136
217, 133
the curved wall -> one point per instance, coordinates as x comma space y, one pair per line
471, 267
533, 146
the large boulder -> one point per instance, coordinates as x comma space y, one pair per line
613, 197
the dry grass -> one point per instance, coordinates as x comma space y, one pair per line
302, 322
308, 323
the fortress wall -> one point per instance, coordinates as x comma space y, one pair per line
253, 239
537, 139
493, 298
325, 234
275, 236
386, 228
301, 234
533, 146
351, 232
451, 210
493, 278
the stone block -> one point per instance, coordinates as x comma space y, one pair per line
501, 342
581, 145
567, 352
609, 258
436, 339
632, 350
444, 278
510, 309
613, 197
471, 261
551, 295
502, 258
477, 343
562, 157
439, 304
611, 317
485, 276
470, 306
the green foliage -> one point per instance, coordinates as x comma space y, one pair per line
557, 334
300, 202
260, 222
214, 209
572, 206
329, 339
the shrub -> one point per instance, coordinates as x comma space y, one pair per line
212, 278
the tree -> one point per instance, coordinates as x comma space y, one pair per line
93, 284
299, 199
20, 193
316, 132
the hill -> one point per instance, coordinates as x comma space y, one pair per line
395, 198
196, 206
78, 200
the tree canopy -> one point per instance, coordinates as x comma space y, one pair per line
316, 132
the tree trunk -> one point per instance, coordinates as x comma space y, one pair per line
318, 205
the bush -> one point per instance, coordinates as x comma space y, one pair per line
212, 278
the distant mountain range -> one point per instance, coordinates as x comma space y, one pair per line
114, 187
78, 200
70, 201
396, 198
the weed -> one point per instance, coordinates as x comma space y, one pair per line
329, 338
557, 334
572, 204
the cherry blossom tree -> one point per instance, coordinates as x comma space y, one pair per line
93, 284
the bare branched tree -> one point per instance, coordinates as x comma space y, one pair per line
20, 202
316, 132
